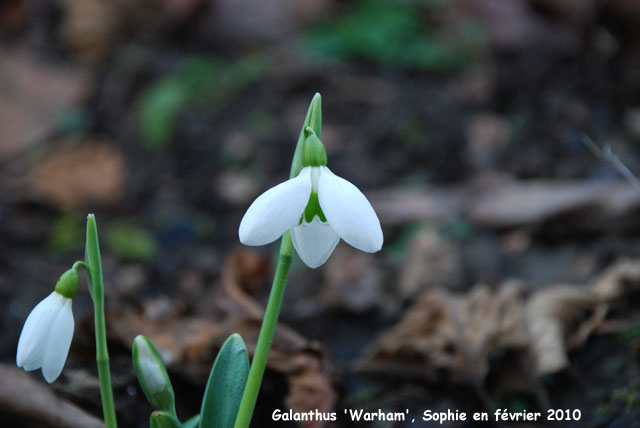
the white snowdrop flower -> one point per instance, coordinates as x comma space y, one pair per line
317, 207
46, 336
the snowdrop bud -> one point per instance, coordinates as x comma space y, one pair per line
161, 419
313, 152
67, 285
152, 374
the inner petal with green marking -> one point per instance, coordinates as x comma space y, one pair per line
313, 209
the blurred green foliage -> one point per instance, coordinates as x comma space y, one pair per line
627, 396
397, 249
196, 81
74, 121
130, 241
457, 228
399, 34
66, 233
631, 333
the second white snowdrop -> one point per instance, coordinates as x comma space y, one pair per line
317, 207
46, 336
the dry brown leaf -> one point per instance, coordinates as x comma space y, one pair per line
554, 314
353, 281
267, 20
36, 402
456, 335
90, 27
501, 202
431, 261
487, 134
310, 386
444, 333
513, 26
180, 341
189, 344
620, 279
242, 276
505, 204
34, 95
93, 172
563, 317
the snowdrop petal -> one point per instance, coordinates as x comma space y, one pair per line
314, 242
276, 210
58, 342
349, 212
31, 345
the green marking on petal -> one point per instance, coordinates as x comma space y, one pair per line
313, 209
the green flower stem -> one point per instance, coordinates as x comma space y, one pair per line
96, 286
256, 372
313, 120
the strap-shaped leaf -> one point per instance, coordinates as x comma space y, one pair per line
226, 384
192, 422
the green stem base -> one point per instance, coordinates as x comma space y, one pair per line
272, 312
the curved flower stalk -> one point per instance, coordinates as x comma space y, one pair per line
46, 336
317, 207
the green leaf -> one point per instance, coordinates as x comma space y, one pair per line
130, 241
192, 422
161, 419
405, 35
226, 385
196, 81
66, 233
159, 109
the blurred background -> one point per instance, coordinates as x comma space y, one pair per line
492, 137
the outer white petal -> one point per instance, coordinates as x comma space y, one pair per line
58, 342
349, 212
31, 345
314, 242
276, 210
